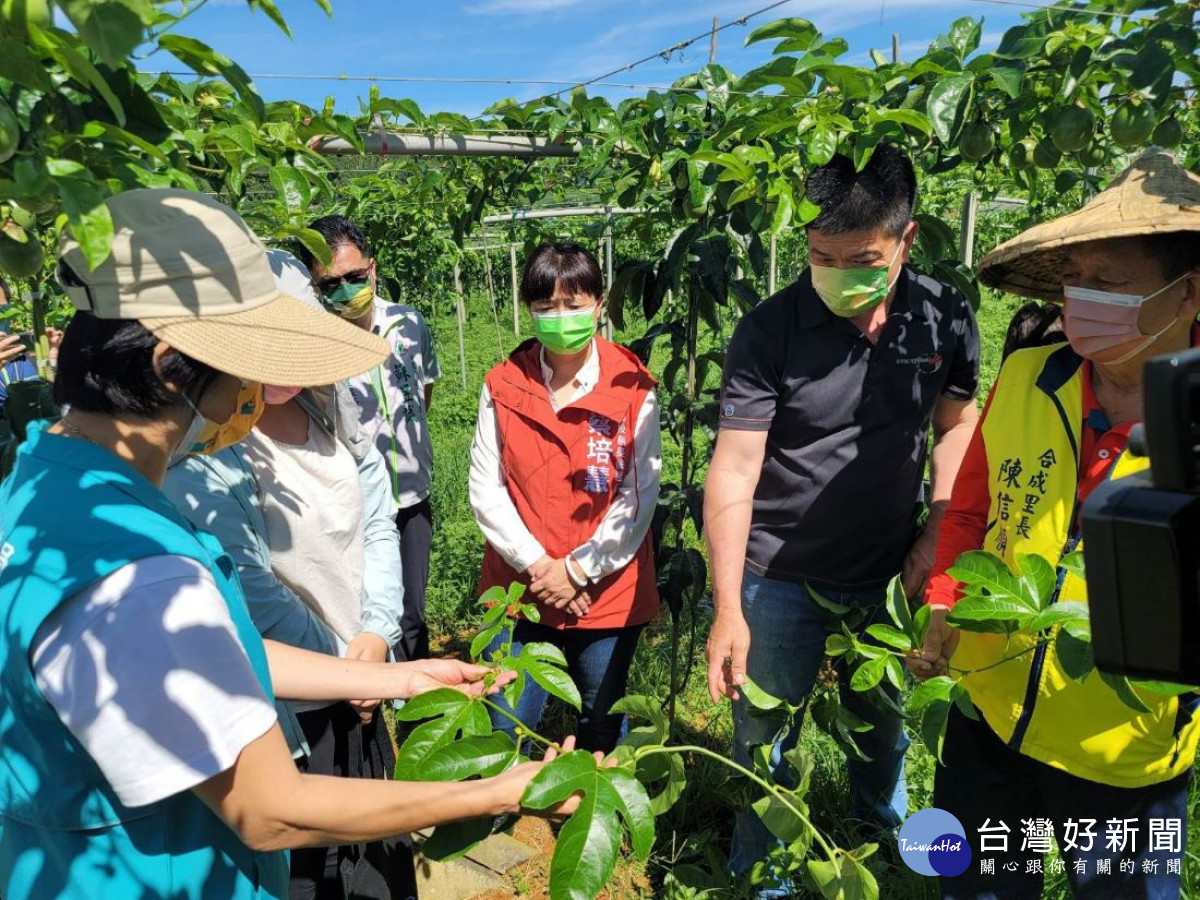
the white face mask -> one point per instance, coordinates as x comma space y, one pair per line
191, 437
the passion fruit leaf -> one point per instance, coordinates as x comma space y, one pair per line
588, 842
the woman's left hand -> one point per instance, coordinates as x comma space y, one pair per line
431, 674
552, 587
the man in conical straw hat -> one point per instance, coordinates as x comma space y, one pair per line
1046, 753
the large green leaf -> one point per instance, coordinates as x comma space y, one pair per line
292, 187
60, 45
272, 12
456, 839
1020, 42
1039, 577
889, 635
478, 755
19, 65
947, 103
962, 38
989, 615
869, 674
979, 569
844, 877
111, 29
920, 626
757, 697
1068, 613
930, 691
797, 31
647, 709
1124, 690
313, 241
1074, 655
897, 604
589, 841
1008, 76
784, 819
545, 664
83, 201
204, 60
450, 715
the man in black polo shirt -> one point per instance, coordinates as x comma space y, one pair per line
830, 388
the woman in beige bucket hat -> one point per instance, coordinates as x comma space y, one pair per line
1045, 746
139, 750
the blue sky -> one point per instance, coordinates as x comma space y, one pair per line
568, 40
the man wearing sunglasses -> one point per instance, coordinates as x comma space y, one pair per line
394, 400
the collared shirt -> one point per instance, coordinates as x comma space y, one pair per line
392, 400
635, 502
847, 424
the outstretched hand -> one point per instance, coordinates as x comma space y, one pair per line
512, 784
431, 674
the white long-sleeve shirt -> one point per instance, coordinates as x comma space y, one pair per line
614, 543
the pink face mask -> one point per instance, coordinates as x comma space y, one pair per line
277, 396
1098, 322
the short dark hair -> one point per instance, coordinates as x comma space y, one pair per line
107, 366
882, 195
1034, 325
565, 263
1178, 251
337, 231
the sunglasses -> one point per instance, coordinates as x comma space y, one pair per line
331, 283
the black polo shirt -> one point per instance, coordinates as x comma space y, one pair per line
848, 425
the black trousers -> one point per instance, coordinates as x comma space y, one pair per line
415, 524
985, 785
382, 870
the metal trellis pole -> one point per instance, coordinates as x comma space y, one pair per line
608, 269
512, 258
771, 274
491, 288
966, 250
462, 319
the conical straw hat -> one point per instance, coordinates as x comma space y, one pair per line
1155, 195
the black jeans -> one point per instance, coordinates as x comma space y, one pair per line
415, 524
341, 745
598, 661
983, 782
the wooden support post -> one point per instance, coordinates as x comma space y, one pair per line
895, 46
462, 320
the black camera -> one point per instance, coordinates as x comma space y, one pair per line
1141, 538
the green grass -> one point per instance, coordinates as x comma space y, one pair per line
697, 830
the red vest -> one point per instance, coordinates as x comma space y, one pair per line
564, 470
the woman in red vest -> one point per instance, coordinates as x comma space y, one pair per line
564, 480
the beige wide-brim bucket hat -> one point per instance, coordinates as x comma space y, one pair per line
191, 271
1155, 195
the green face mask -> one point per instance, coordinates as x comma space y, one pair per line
565, 332
351, 299
851, 292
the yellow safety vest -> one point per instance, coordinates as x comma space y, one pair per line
1032, 436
